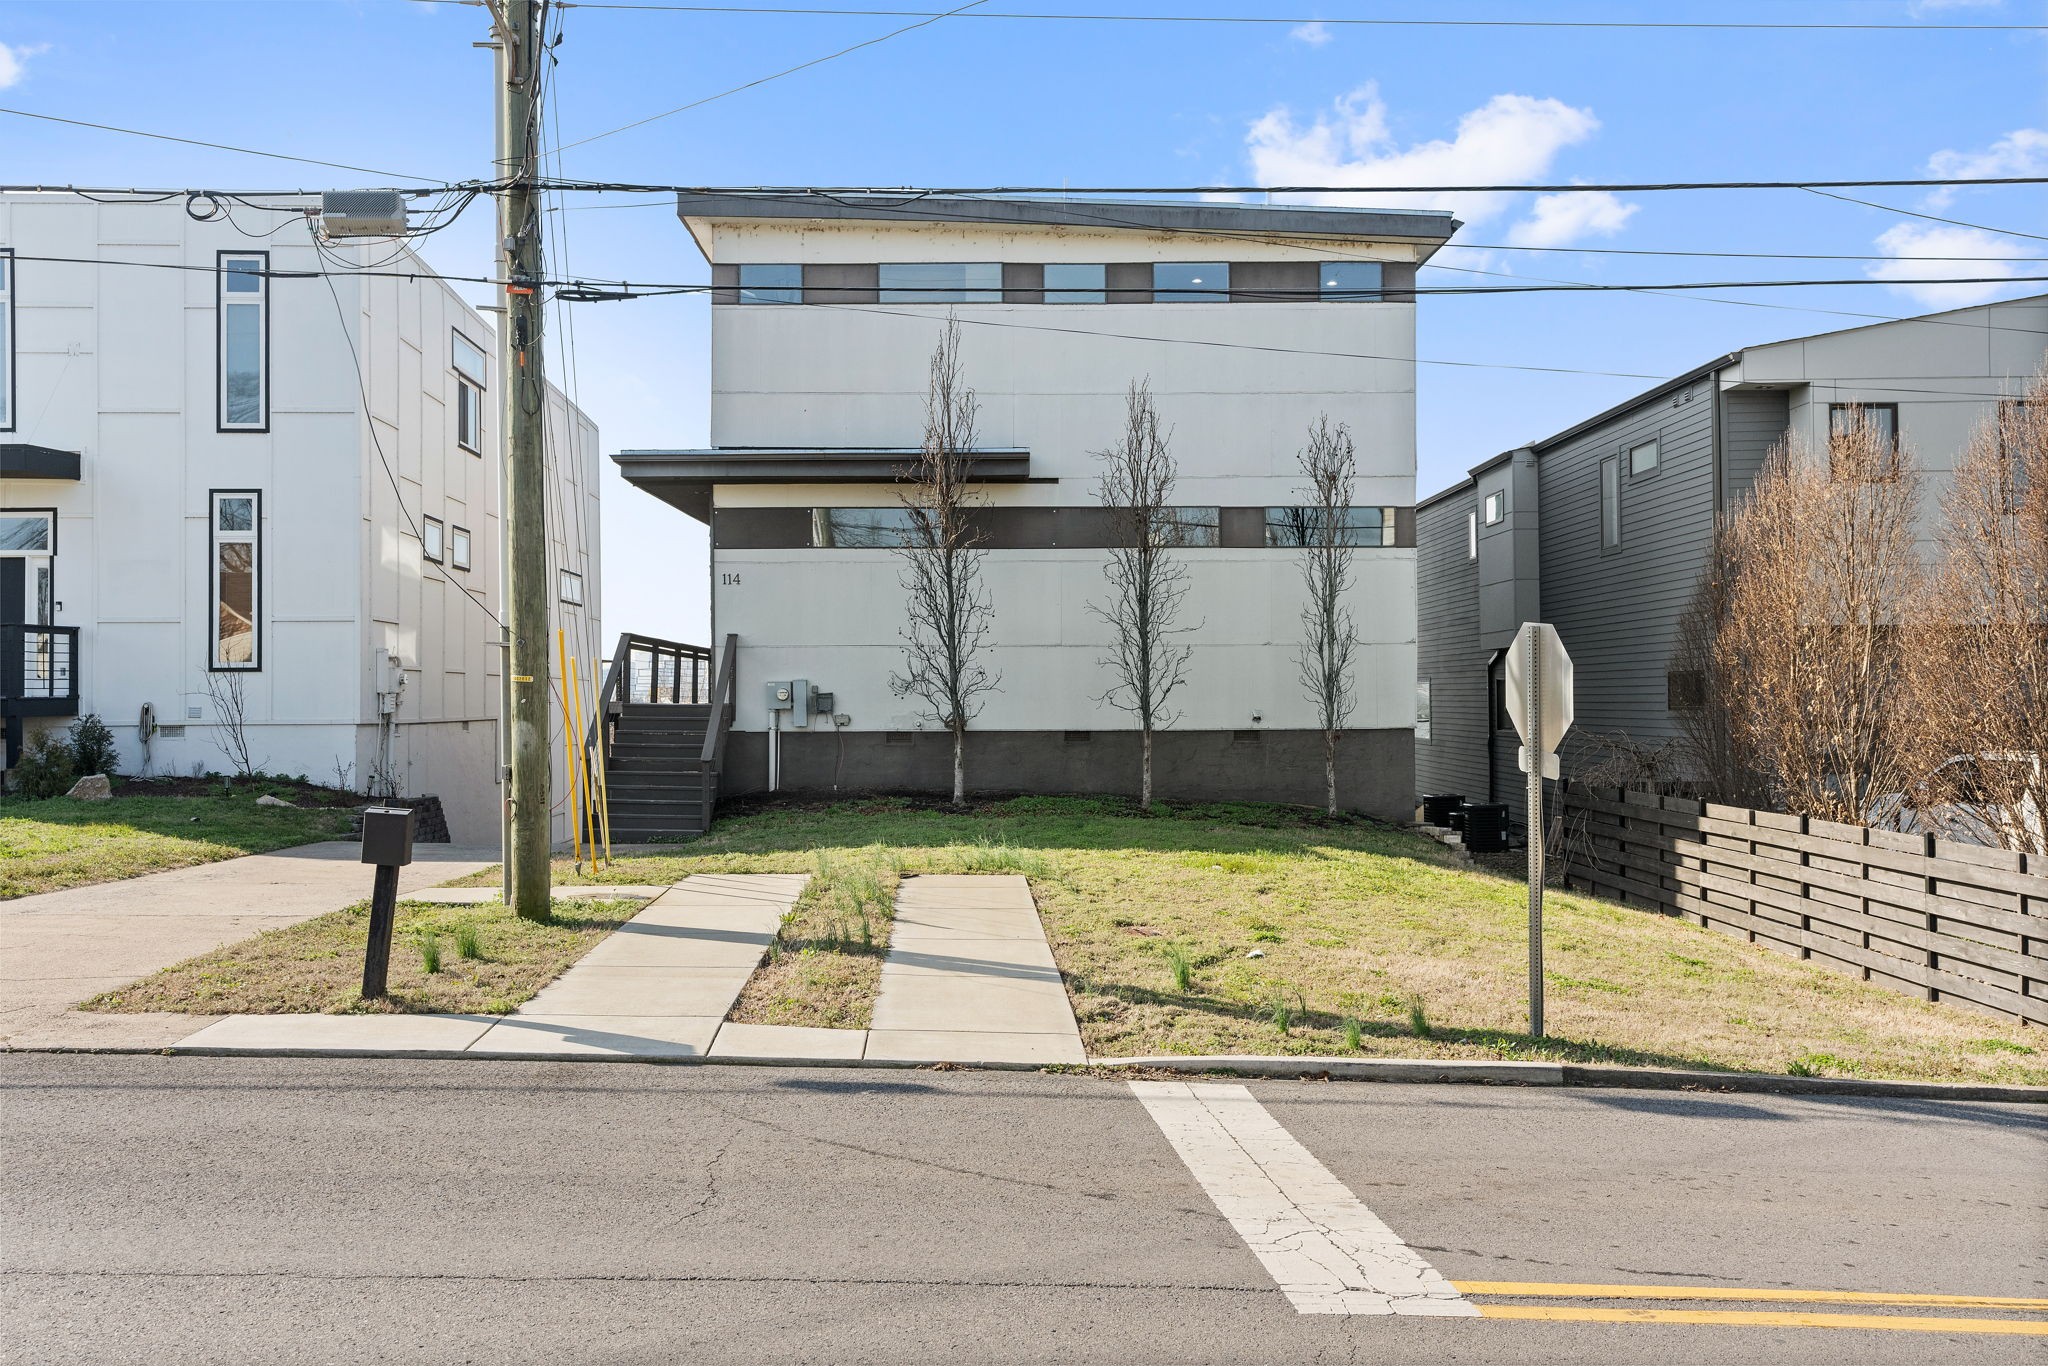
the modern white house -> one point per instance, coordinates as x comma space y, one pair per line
1603, 529
1248, 321
237, 464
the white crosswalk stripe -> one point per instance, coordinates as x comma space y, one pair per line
1327, 1252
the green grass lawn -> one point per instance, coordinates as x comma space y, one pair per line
316, 966
47, 845
1363, 933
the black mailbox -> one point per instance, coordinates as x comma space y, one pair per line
387, 836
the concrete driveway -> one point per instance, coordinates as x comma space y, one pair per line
57, 948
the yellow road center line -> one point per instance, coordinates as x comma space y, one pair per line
1716, 1292
1765, 1318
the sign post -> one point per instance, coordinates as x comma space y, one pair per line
1539, 683
387, 843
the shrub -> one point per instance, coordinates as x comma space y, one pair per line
45, 768
430, 952
92, 747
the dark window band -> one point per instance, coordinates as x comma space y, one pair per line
1005, 528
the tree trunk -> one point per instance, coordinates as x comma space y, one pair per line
1330, 771
1145, 778
959, 765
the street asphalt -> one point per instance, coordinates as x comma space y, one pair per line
220, 1210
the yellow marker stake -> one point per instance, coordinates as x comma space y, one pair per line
583, 770
604, 791
569, 748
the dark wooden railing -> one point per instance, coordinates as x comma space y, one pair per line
646, 669
39, 664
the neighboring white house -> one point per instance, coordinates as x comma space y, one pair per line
217, 471
1249, 322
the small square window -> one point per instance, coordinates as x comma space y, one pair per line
431, 537
1190, 282
771, 284
1351, 282
458, 547
1843, 419
1072, 284
572, 588
1642, 457
1496, 508
235, 514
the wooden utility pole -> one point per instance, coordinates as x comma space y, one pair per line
524, 386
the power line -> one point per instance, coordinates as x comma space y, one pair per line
1265, 20
1932, 218
1059, 192
217, 146
776, 76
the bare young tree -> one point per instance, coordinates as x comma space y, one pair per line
1822, 571
1147, 581
1329, 633
1713, 748
230, 707
947, 603
1979, 661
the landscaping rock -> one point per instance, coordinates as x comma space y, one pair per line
267, 800
95, 787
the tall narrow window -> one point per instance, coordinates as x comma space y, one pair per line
244, 335
1471, 535
1610, 503
1496, 508
433, 539
572, 588
2012, 465
470, 369
6, 340
237, 586
458, 546
1422, 709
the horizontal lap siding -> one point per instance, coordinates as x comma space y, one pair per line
1926, 917
1618, 612
1752, 421
1449, 656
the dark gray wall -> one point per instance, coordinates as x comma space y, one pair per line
1617, 611
1375, 768
1752, 421
1448, 652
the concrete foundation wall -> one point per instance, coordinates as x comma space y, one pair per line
1375, 768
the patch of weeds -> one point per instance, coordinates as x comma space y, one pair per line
1591, 984
469, 941
1820, 1065
1267, 937
998, 856
1996, 1046
1283, 1017
1699, 964
1181, 964
430, 953
1354, 1033
1418, 1021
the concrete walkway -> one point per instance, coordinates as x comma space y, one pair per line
970, 978
57, 948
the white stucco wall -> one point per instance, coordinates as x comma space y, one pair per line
1052, 378
118, 362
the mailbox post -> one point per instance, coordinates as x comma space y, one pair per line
387, 843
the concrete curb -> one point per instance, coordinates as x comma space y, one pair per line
1407, 1070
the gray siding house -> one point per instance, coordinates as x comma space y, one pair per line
1603, 529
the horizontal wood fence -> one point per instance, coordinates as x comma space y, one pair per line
1931, 917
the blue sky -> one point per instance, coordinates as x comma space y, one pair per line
395, 85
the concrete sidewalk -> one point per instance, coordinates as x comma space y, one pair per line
57, 948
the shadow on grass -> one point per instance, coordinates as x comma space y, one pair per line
1509, 1044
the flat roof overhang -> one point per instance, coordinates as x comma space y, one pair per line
683, 479
1219, 217
21, 461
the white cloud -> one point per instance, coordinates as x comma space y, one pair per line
1509, 139
1963, 248
14, 62
1559, 220
1315, 33
2024, 151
